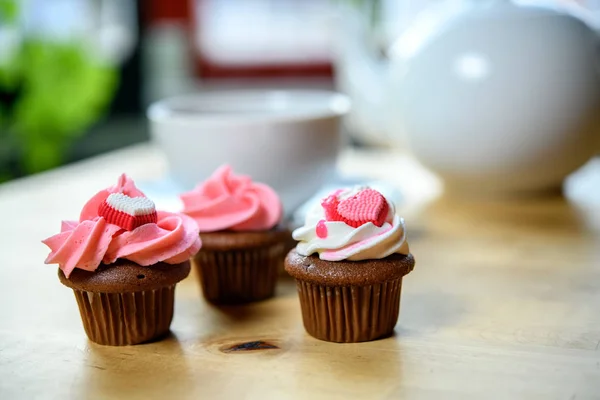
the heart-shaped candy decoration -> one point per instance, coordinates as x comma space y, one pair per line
128, 212
368, 205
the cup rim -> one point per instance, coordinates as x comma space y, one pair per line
334, 105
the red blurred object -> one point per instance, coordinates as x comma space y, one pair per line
168, 10
207, 69
190, 12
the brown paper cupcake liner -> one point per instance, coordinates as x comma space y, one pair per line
239, 276
119, 319
347, 314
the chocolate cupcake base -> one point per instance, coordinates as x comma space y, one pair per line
237, 277
347, 314
349, 301
120, 319
124, 303
239, 267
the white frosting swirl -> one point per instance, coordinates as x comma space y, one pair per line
343, 242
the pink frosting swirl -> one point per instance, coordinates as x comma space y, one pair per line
234, 202
84, 244
80, 245
173, 239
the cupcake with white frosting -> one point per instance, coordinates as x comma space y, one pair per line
349, 264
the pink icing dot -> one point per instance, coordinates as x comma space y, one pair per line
321, 229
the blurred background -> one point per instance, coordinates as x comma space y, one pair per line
76, 76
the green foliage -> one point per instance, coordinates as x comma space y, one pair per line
62, 93
9, 10
10, 73
57, 91
9, 67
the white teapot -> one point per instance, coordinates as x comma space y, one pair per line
495, 97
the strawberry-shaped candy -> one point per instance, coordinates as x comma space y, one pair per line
127, 212
330, 204
368, 205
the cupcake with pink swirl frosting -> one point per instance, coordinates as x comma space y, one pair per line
243, 243
122, 259
349, 264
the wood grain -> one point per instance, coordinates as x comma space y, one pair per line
504, 302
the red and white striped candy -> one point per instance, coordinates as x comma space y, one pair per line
128, 212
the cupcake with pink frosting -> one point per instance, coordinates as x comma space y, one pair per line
349, 264
243, 243
123, 259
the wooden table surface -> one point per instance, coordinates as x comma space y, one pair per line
504, 302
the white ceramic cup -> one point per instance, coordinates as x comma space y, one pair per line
288, 139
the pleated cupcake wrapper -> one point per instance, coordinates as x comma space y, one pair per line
348, 314
239, 276
119, 319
